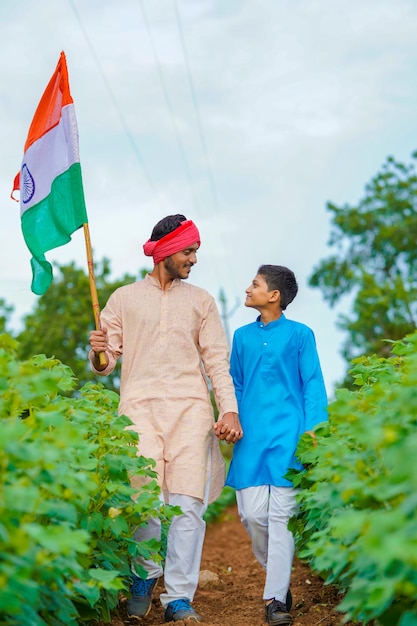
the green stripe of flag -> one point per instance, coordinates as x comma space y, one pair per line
51, 222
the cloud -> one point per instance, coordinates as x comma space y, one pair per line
297, 103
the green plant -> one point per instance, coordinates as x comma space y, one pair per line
67, 513
358, 522
228, 495
216, 508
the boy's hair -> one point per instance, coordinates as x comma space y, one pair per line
281, 278
166, 225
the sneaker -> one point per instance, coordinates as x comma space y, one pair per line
276, 614
181, 609
140, 602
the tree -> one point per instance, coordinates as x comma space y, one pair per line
375, 261
60, 323
5, 312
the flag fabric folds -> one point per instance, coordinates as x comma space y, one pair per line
52, 204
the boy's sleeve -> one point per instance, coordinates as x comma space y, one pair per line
314, 390
236, 368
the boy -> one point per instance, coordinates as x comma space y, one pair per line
281, 395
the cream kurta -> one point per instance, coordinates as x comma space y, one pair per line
165, 338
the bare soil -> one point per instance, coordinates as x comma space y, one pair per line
227, 552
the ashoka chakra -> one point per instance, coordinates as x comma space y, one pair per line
27, 186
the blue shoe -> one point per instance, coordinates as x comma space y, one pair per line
140, 602
181, 609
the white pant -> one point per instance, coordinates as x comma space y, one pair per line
185, 545
265, 512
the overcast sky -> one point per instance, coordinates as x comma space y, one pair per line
247, 116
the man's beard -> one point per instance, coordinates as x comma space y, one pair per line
172, 269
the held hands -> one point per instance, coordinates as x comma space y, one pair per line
228, 428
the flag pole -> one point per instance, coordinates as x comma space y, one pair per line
93, 290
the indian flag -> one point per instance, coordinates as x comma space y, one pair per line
52, 201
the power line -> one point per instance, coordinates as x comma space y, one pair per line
115, 103
196, 107
168, 102
210, 176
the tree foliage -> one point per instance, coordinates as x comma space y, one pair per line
375, 261
60, 323
5, 312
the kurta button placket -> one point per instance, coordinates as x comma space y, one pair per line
264, 355
163, 331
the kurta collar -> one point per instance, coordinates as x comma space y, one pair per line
155, 282
271, 325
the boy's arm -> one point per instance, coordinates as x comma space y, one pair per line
236, 369
314, 390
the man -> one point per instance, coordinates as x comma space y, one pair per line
171, 337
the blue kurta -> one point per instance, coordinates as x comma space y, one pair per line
281, 394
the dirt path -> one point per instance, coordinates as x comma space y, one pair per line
238, 602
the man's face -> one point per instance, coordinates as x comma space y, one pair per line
179, 265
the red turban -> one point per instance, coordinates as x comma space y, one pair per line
179, 239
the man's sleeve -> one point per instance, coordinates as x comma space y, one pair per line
110, 319
215, 355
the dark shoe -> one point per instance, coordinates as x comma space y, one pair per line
140, 603
181, 609
276, 614
288, 600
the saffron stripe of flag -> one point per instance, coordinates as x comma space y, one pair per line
52, 203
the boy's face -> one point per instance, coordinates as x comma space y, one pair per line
258, 295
